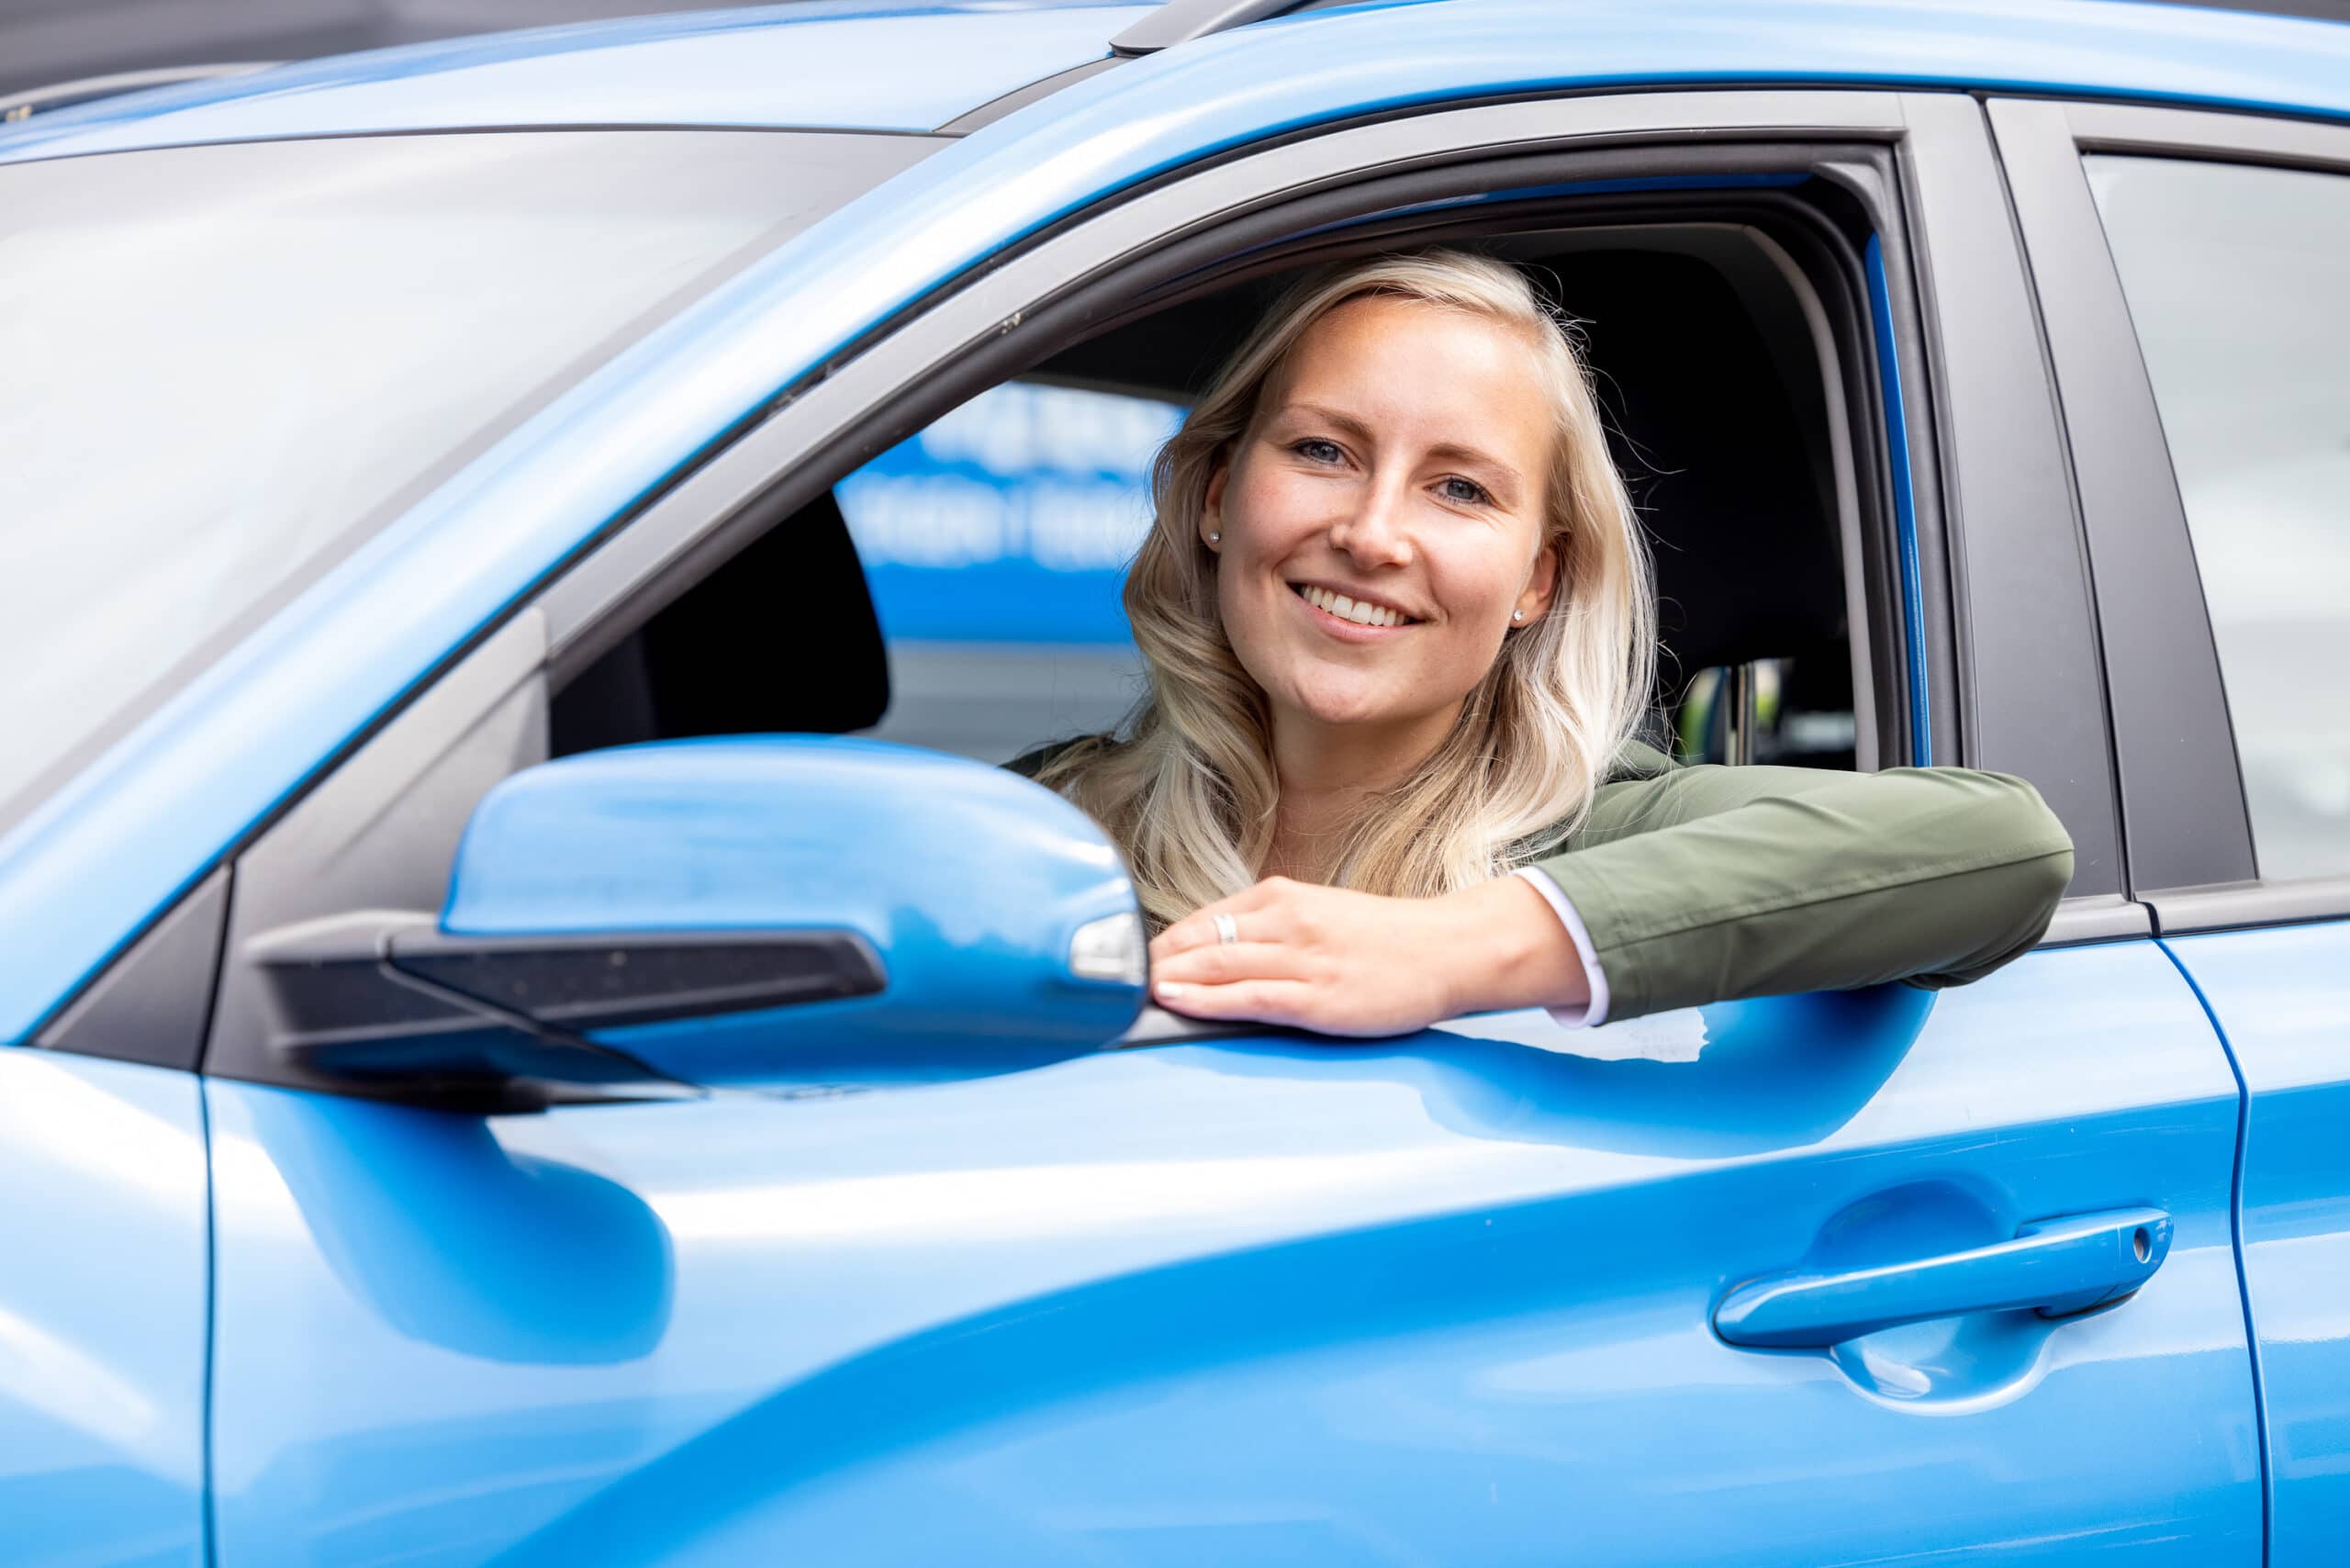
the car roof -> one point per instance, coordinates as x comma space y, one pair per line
56, 43
903, 65
915, 65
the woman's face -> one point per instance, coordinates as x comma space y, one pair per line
1383, 516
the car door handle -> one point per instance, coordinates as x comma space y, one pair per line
2057, 1266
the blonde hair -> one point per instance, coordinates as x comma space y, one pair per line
1191, 793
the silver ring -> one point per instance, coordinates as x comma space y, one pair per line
1225, 931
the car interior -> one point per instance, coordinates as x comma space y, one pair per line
1727, 339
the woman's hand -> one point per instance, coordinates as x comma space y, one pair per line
1349, 963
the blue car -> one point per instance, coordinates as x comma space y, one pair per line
534, 1034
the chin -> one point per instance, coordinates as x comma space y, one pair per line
1339, 702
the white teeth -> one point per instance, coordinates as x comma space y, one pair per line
1361, 612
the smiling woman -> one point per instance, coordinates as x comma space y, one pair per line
1399, 628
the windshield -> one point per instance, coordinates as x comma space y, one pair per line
230, 364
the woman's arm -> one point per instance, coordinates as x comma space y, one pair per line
1709, 884
1695, 885
1349, 963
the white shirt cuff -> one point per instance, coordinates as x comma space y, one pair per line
1594, 1013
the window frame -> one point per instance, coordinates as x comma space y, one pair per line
2033, 698
474, 721
2188, 849
1783, 233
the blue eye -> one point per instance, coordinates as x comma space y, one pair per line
1466, 491
1315, 450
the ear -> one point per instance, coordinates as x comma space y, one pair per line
1212, 505
1542, 584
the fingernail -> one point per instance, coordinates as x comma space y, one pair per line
1171, 987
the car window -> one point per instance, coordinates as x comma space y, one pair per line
995, 542
2234, 277
231, 363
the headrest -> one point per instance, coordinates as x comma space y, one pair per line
1749, 560
782, 637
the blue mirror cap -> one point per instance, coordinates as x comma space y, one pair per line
1001, 916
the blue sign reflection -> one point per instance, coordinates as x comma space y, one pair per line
1011, 520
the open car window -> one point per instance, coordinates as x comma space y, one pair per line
970, 574
994, 542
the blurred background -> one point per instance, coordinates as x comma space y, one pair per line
49, 42
45, 42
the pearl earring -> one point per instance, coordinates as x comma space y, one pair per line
1517, 615
1213, 538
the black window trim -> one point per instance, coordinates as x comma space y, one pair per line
2033, 702
2186, 825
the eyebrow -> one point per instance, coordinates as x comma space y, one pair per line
1449, 451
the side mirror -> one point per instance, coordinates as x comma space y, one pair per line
776, 911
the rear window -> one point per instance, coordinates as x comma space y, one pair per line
230, 365
2236, 280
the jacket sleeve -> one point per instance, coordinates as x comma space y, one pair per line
1710, 884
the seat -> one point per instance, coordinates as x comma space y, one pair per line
1749, 559
783, 637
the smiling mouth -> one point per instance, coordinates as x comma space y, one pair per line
1362, 613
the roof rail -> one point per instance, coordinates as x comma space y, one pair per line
40, 100
1181, 21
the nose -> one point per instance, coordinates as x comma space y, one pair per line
1371, 531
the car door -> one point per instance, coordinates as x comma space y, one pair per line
1451, 1298
2195, 262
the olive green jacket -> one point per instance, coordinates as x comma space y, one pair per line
1705, 883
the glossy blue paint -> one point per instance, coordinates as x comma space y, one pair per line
1435, 1300
104, 1276
2281, 998
2259, 1378
1444, 1299
969, 883
2052, 1267
861, 65
149, 817
1905, 507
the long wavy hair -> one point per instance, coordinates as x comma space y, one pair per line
1187, 785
